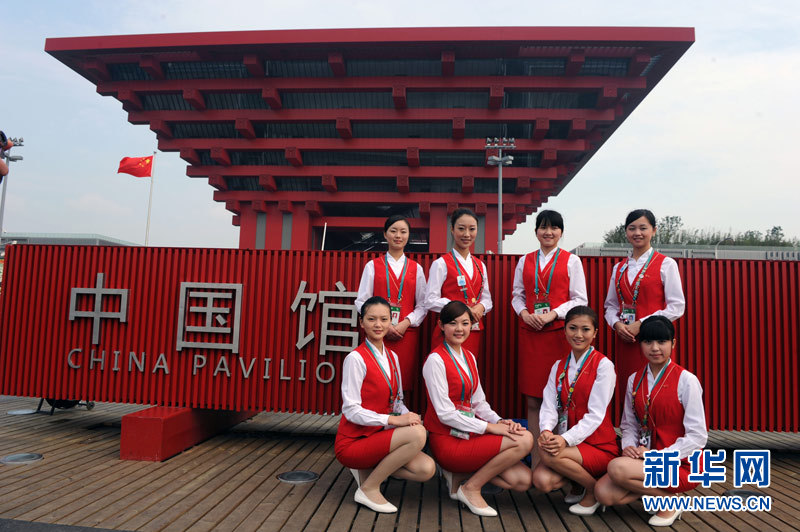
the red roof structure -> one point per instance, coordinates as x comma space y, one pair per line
297, 129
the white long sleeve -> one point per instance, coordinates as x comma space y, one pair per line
438, 273
670, 278
365, 288
436, 381
599, 399
354, 370
577, 284
690, 395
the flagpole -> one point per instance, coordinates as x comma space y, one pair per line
149, 202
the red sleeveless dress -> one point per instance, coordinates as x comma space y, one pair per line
407, 348
539, 350
453, 292
666, 417
601, 446
363, 446
452, 453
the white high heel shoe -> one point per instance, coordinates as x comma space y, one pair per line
448, 478
356, 476
578, 509
572, 498
486, 511
665, 521
385, 508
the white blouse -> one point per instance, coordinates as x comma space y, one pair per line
354, 370
438, 273
690, 395
577, 284
368, 283
435, 376
673, 291
599, 399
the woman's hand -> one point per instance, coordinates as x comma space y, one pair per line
541, 320
624, 332
405, 420
501, 429
478, 311
396, 332
514, 427
634, 327
527, 319
552, 443
634, 452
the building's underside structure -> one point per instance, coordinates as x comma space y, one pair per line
301, 129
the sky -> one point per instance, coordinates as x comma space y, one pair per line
713, 142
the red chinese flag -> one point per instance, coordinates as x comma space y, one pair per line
136, 166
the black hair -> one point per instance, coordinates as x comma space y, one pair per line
458, 213
638, 213
656, 329
582, 310
453, 310
393, 219
548, 218
374, 300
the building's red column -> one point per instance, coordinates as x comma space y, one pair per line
301, 228
490, 230
247, 227
274, 233
437, 235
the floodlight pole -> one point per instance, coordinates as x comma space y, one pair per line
500, 161
9, 159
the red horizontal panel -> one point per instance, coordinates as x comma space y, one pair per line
363, 144
369, 37
550, 174
375, 115
371, 83
748, 368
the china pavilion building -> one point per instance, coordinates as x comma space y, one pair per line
304, 130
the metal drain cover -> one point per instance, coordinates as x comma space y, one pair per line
298, 477
23, 412
744, 494
21, 458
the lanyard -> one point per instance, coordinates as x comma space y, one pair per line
647, 399
575, 380
549, 280
639, 278
476, 266
392, 392
389, 281
461, 373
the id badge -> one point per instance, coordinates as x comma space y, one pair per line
628, 314
644, 438
563, 425
396, 407
541, 307
475, 326
459, 434
461, 281
395, 315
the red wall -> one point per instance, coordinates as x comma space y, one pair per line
739, 334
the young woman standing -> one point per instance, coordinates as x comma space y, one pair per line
467, 438
663, 411
576, 406
547, 284
645, 284
401, 282
458, 276
372, 402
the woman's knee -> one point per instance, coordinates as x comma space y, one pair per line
525, 442
427, 467
603, 491
617, 469
543, 479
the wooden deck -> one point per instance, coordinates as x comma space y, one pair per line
229, 483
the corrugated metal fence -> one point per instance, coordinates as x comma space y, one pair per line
739, 334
